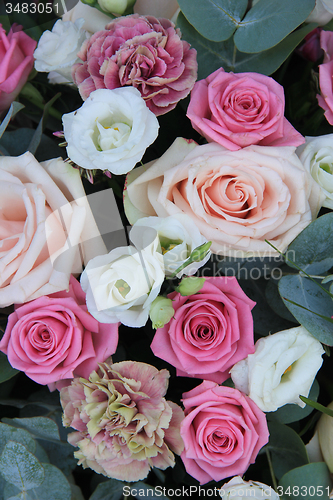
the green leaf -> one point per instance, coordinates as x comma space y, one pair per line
36, 138
17, 142
215, 20
317, 406
312, 249
61, 455
9, 433
293, 413
313, 482
20, 467
213, 55
109, 490
276, 303
6, 369
15, 107
40, 427
286, 448
269, 22
309, 295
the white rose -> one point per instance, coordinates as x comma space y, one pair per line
283, 367
110, 131
121, 285
322, 13
57, 49
317, 157
237, 489
178, 237
237, 199
94, 20
44, 215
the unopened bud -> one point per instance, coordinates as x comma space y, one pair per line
116, 6
200, 252
190, 285
161, 311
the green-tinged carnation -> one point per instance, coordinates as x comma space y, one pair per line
161, 311
124, 426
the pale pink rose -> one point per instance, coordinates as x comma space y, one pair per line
144, 52
157, 8
44, 216
325, 99
209, 332
237, 110
124, 424
223, 431
54, 338
237, 199
16, 62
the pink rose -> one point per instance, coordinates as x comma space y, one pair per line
54, 337
144, 52
237, 199
209, 332
325, 99
223, 431
237, 110
311, 49
124, 426
16, 62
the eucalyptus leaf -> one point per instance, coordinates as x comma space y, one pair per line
6, 369
15, 107
286, 448
214, 55
276, 303
307, 482
40, 427
60, 454
269, 22
9, 433
292, 412
215, 20
308, 294
20, 467
17, 142
312, 250
109, 490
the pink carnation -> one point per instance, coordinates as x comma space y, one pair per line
223, 431
55, 338
209, 332
238, 110
325, 99
124, 426
144, 52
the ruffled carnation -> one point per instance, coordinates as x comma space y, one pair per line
124, 424
144, 52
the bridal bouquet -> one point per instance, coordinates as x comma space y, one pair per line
166, 249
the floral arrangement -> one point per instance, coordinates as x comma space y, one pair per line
166, 249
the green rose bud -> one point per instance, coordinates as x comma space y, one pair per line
190, 285
200, 252
161, 311
116, 6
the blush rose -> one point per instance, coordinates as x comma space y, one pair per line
16, 62
54, 338
223, 431
209, 332
144, 52
237, 110
237, 199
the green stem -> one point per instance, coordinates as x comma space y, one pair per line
271, 470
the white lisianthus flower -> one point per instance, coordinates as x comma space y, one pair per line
322, 13
57, 49
121, 285
110, 131
237, 489
178, 237
317, 157
282, 368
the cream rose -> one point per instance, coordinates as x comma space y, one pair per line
237, 199
110, 131
121, 285
282, 368
178, 237
322, 13
44, 215
238, 489
94, 20
317, 157
57, 49
168, 9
